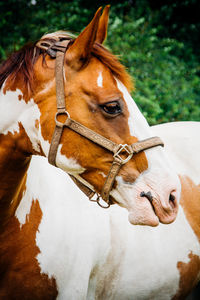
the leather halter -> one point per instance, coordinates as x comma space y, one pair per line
121, 153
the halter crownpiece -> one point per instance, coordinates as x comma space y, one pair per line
57, 50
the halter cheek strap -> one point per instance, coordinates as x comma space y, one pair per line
121, 153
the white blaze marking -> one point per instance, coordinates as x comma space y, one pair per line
100, 80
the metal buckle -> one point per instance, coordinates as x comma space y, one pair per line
123, 148
64, 112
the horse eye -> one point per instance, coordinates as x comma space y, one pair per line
111, 108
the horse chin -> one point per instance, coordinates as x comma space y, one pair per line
143, 214
150, 213
152, 221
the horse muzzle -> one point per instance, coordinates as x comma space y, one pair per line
152, 209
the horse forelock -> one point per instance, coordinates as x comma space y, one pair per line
21, 63
111, 61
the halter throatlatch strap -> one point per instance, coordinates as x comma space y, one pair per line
121, 153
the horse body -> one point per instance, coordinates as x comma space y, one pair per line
54, 243
80, 251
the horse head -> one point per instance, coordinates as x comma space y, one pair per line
96, 95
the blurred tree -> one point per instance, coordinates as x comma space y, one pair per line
166, 90
179, 19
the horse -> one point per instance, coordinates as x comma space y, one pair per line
58, 245
108, 149
76, 110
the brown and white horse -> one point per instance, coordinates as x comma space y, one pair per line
58, 245
96, 95
52, 242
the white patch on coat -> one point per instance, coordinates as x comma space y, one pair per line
14, 111
67, 230
150, 264
74, 239
100, 80
68, 165
24, 207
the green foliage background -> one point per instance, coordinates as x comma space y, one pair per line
156, 42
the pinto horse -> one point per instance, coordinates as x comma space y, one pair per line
103, 119
54, 243
58, 245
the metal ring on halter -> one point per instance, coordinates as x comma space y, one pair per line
98, 197
64, 112
91, 198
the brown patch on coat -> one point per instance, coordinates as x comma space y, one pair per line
190, 201
15, 149
189, 276
20, 276
189, 272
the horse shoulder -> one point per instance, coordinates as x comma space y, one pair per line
183, 146
73, 237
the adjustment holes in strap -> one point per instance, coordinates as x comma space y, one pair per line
61, 118
44, 44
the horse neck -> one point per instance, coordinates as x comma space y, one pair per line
15, 150
13, 174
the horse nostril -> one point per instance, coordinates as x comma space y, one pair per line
148, 195
172, 201
172, 198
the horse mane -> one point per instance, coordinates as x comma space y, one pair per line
21, 62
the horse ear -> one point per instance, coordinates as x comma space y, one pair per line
103, 25
79, 53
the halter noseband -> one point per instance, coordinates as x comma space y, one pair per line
57, 50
